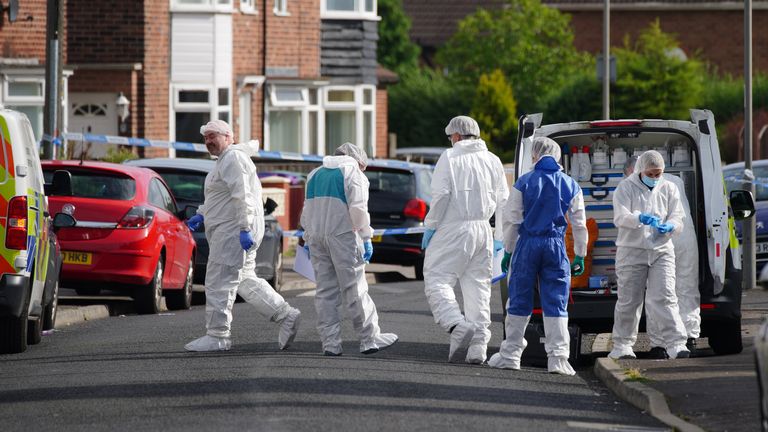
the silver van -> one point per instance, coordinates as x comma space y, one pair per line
595, 153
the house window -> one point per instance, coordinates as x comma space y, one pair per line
281, 7
193, 107
248, 6
354, 9
201, 5
292, 123
26, 95
349, 117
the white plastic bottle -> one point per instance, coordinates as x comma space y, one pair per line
600, 158
619, 158
574, 163
681, 157
585, 166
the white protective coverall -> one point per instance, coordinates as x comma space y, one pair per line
468, 187
233, 203
645, 256
336, 222
686, 274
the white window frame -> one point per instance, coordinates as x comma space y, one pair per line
212, 106
249, 7
23, 100
305, 108
204, 6
359, 13
281, 8
359, 107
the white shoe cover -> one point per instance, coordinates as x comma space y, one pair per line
622, 353
289, 326
679, 351
380, 341
209, 343
461, 336
499, 362
560, 365
476, 354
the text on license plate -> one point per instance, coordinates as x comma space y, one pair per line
376, 239
77, 257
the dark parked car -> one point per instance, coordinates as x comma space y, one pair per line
186, 178
400, 193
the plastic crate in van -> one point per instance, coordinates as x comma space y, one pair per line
598, 194
607, 231
600, 211
610, 180
604, 248
603, 266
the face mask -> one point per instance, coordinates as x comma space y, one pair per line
650, 182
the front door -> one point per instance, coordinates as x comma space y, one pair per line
93, 113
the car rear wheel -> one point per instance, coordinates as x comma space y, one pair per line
49, 313
149, 297
725, 337
182, 299
277, 279
419, 269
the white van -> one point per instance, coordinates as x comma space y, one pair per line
595, 152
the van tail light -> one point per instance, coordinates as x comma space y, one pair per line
415, 208
16, 234
137, 217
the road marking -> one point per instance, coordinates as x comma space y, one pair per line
614, 427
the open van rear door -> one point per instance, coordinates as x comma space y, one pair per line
716, 210
525, 127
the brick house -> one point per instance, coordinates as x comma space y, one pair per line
299, 75
711, 28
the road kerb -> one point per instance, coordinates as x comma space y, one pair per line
66, 316
640, 395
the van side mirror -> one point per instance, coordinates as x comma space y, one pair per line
60, 185
742, 204
63, 220
269, 206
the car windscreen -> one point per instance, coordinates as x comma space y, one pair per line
187, 187
734, 180
98, 184
391, 183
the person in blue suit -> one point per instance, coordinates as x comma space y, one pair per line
534, 231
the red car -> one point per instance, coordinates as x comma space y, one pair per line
129, 236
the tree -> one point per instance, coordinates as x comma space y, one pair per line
422, 104
655, 79
530, 43
395, 49
495, 110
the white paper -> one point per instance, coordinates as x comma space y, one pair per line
302, 265
497, 273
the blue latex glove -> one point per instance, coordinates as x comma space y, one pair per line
426, 238
505, 262
497, 245
194, 222
246, 240
306, 248
665, 228
577, 266
367, 250
648, 219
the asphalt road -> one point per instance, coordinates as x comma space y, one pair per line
131, 373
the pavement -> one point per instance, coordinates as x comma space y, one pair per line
705, 393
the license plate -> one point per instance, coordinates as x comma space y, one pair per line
83, 258
376, 239
761, 248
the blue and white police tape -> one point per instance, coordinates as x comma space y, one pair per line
376, 232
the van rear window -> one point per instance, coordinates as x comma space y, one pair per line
89, 184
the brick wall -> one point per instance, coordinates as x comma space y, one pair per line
382, 143
105, 31
25, 38
717, 35
153, 85
294, 41
247, 59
